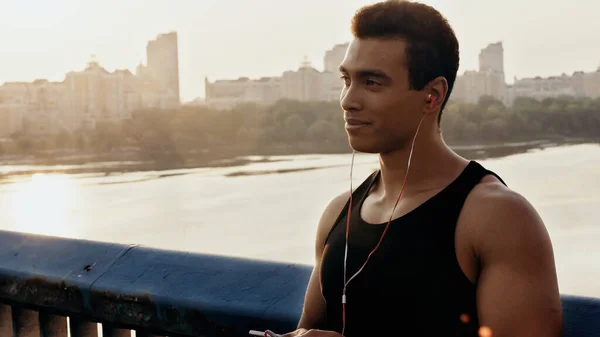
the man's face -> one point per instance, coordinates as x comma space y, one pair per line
381, 112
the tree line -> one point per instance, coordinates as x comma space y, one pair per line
291, 127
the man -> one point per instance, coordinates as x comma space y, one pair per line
461, 253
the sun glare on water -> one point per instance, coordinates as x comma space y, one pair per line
40, 206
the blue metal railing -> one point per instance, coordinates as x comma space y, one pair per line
44, 280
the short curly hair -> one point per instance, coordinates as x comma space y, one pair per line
432, 48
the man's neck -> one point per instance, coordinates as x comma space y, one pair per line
432, 164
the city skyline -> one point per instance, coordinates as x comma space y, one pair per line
534, 45
170, 75
310, 84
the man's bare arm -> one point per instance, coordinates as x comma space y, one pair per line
517, 292
313, 312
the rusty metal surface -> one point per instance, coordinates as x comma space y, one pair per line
52, 325
5, 320
203, 294
82, 328
144, 334
52, 272
25, 322
110, 331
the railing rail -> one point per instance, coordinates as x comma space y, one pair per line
51, 286
151, 291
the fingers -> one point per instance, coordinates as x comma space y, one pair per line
319, 333
308, 333
266, 333
295, 333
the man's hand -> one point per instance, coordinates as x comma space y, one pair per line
311, 333
295, 333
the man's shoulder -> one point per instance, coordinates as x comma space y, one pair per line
497, 215
329, 216
491, 197
336, 206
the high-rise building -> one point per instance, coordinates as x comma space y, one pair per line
492, 58
334, 57
488, 81
163, 62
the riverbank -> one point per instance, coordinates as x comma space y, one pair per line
67, 162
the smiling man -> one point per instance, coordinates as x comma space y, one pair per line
431, 244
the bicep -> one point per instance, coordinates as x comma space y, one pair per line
314, 310
518, 302
517, 292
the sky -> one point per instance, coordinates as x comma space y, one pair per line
225, 39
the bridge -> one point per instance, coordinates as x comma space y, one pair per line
52, 287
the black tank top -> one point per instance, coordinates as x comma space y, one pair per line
413, 285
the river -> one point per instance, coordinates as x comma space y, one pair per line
269, 210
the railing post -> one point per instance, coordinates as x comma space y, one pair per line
143, 334
110, 331
52, 325
25, 322
82, 328
6, 328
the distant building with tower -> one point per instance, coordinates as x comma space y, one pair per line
92, 95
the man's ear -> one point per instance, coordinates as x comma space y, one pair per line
438, 89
